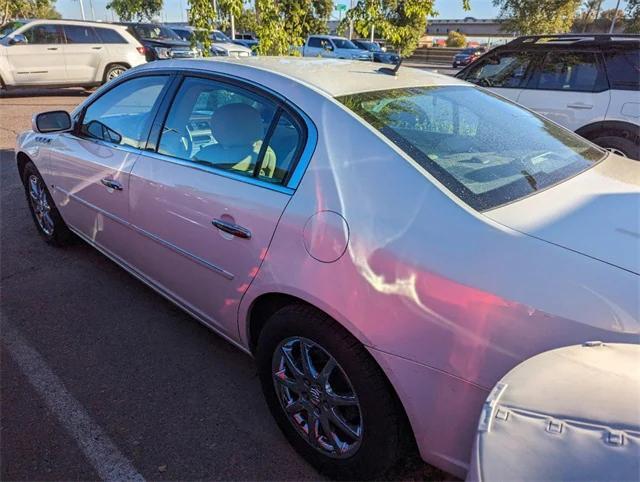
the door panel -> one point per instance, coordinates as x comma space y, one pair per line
173, 207
83, 53
96, 209
41, 60
569, 88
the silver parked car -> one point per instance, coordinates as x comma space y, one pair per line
386, 246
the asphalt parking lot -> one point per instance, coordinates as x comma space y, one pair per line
102, 378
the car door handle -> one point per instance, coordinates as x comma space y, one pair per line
237, 231
580, 105
96, 48
111, 184
52, 48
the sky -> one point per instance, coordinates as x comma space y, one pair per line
175, 10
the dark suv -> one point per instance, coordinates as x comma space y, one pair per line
587, 83
160, 42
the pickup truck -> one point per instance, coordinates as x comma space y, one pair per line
333, 47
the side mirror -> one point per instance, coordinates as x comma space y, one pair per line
54, 121
18, 39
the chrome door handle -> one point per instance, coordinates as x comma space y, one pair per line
237, 231
96, 48
580, 105
111, 184
52, 48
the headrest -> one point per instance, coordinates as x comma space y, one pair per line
236, 125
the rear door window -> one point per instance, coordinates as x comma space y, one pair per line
78, 34
570, 71
623, 69
315, 42
506, 69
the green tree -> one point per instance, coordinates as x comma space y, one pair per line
400, 22
12, 9
530, 17
128, 10
633, 14
284, 24
246, 21
456, 39
270, 29
202, 16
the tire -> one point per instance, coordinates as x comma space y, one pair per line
44, 212
113, 71
619, 145
376, 416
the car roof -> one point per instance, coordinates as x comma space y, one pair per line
334, 77
328, 36
68, 22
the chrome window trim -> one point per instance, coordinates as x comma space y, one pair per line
195, 258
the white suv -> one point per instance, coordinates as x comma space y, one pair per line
65, 53
587, 83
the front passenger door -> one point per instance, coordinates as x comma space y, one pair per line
90, 167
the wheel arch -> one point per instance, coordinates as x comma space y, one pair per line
610, 127
22, 159
111, 64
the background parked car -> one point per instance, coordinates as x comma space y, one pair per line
333, 47
161, 42
467, 56
379, 55
224, 46
587, 83
65, 53
248, 40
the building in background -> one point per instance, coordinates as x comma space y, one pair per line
478, 30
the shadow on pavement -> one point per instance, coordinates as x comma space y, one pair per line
42, 92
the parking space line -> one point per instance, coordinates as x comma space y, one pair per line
103, 454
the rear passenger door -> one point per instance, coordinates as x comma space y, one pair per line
568, 87
83, 53
504, 73
623, 71
314, 47
206, 202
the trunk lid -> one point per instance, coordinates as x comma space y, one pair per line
596, 213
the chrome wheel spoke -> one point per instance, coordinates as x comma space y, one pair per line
295, 407
307, 365
325, 373
282, 379
343, 425
291, 365
328, 433
337, 400
313, 425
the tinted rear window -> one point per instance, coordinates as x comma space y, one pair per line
623, 69
110, 36
484, 149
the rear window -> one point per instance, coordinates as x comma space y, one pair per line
484, 149
110, 36
623, 69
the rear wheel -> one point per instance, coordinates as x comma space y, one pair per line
45, 215
619, 145
327, 394
114, 71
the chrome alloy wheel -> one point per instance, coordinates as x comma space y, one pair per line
40, 205
115, 72
616, 151
317, 397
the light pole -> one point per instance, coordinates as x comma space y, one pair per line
82, 10
615, 16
